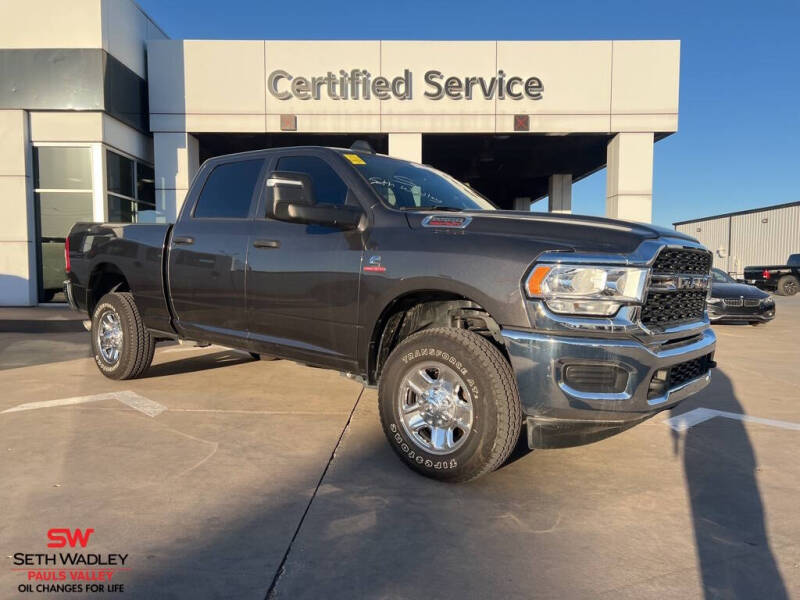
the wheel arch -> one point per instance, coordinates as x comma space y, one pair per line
105, 277
415, 310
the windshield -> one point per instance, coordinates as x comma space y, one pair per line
720, 276
408, 186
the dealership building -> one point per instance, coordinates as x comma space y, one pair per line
103, 117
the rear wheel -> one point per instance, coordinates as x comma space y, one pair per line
449, 405
122, 346
788, 285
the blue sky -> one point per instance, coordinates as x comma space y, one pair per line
738, 143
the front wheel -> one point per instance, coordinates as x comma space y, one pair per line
122, 346
449, 405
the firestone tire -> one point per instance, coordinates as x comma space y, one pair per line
121, 344
486, 381
788, 285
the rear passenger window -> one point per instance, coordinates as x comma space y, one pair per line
328, 186
228, 190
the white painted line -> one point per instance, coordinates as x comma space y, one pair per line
699, 415
151, 408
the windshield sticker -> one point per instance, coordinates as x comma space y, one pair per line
355, 159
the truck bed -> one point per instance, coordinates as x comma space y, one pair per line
136, 251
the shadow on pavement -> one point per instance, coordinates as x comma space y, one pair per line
193, 364
734, 554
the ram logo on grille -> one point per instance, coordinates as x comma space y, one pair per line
691, 283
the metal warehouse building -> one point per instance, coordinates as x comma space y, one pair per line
761, 236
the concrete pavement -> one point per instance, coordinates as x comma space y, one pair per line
271, 478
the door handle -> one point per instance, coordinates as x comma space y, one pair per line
267, 244
183, 239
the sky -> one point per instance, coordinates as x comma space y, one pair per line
738, 140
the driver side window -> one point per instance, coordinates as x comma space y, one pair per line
328, 187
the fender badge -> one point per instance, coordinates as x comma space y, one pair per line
374, 265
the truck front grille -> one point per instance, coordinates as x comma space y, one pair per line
672, 261
679, 374
686, 371
665, 308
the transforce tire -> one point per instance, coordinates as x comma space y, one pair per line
448, 404
788, 285
122, 346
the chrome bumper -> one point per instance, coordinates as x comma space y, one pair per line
538, 361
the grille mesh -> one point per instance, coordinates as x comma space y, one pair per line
672, 261
686, 371
664, 309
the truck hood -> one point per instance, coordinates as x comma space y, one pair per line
579, 232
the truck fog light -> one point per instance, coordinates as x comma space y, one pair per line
659, 383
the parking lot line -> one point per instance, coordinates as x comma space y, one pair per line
151, 408
699, 415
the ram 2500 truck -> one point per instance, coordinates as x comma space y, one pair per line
472, 321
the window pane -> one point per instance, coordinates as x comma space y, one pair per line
121, 210
145, 184
228, 190
119, 172
328, 186
58, 168
59, 211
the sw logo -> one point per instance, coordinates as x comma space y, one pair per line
62, 537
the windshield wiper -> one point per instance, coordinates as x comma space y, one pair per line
433, 207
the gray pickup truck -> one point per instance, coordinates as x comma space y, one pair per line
475, 324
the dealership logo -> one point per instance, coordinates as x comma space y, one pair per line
359, 84
62, 537
70, 572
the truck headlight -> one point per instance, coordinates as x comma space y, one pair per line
586, 290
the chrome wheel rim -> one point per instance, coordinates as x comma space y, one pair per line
109, 336
435, 407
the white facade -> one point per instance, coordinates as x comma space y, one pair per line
612, 99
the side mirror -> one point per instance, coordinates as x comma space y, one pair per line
343, 217
293, 200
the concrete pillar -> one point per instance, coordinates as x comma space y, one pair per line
559, 193
17, 215
407, 146
177, 158
522, 203
629, 177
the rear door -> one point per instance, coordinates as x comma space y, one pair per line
208, 254
302, 280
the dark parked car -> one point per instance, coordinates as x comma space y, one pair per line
732, 301
471, 321
783, 279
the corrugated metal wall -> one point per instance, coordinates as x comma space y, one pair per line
765, 237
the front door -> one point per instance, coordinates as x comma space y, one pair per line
302, 280
208, 254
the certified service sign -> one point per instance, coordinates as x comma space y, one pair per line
359, 84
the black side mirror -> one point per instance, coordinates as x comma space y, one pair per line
293, 200
343, 217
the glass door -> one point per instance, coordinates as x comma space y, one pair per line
62, 196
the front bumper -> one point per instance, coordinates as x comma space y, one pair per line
760, 314
559, 415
